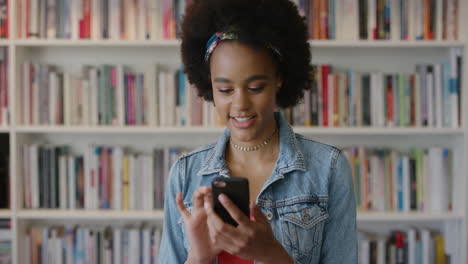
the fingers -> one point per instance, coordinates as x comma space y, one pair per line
233, 210
198, 196
257, 213
213, 218
252, 211
208, 204
198, 201
181, 207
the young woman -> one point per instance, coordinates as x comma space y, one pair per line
251, 57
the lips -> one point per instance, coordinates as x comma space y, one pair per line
243, 121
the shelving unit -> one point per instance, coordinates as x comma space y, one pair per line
72, 54
157, 215
217, 130
176, 43
5, 213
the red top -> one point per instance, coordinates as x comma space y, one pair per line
226, 258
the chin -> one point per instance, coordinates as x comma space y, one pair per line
243, 135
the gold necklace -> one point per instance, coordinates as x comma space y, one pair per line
253, 148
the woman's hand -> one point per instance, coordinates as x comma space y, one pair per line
251, 239
202, 250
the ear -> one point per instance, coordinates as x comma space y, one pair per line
279, 82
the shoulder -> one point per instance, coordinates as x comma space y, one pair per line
200, 151
194, 158
188, 164
317, 152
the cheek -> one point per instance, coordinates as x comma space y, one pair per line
268, 104
221, 105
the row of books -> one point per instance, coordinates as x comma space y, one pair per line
388, 180
111, 95
4, 102
5, 241
381, 19
4, 171
91, 244
114, 95
4, 21
160, 19
428, 97
410, 246
117, 178
104, 177
4, 181
96, 19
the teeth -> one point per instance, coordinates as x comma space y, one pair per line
242, 119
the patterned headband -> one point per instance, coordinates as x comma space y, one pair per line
217, 37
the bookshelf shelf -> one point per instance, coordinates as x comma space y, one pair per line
157, 215
379, 131
384, 44
216, 130
95, 43
120, 130
5, 213
4, 129
416, 217
176, 43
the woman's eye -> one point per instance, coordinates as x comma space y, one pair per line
224, 90
256, 89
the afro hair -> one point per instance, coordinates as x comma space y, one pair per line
259, 22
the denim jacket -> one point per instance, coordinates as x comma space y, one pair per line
308, 199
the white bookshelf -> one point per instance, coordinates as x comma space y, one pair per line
384, 44
138, 215
5, 213
96, 43
157, 215
217, 130
176, 43
413, 218
383, 55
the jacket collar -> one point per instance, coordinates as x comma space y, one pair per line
290, 157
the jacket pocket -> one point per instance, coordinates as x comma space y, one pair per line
302, 226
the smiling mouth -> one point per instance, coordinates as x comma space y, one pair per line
243, 119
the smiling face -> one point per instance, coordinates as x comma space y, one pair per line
245, 82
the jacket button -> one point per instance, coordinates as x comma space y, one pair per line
269, 216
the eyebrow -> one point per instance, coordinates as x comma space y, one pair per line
250, 79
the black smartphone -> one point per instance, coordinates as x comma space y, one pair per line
237, 189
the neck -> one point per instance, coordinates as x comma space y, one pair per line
267, 153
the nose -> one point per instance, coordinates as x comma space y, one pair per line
241, 100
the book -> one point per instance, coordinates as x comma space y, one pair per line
79, 244
380, 19
400, 181
104, 177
